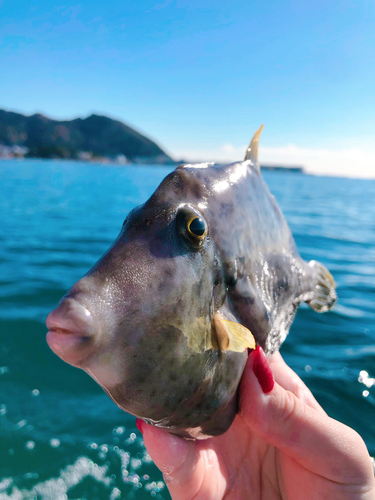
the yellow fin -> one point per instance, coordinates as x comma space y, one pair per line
252, 150
230, 336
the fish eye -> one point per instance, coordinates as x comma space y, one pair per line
192, 227
197, 227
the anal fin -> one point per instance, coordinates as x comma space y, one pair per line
230, 336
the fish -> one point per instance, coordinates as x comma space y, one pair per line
200, 274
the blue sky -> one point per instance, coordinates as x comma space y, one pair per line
200, 77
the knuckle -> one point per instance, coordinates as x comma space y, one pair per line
282, 414
287, 409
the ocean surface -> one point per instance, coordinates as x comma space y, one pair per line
61, 437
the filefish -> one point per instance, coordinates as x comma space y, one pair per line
203, 271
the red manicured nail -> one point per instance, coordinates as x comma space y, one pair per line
263, 371
139, 424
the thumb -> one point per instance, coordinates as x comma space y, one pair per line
320, 444
177, 458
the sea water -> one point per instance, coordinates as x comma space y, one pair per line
61, 437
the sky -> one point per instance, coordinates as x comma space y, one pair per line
199, 77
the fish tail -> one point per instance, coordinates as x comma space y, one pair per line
324, 292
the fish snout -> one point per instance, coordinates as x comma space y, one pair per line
71, 331
72, 317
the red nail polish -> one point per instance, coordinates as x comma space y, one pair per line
139, 424
263, 371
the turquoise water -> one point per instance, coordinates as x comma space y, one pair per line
60, 435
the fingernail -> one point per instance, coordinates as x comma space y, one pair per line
139, 424
263, 371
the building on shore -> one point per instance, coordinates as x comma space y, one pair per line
15, 151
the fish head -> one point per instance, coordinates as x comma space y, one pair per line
140, 319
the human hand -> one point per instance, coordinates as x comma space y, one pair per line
281, 446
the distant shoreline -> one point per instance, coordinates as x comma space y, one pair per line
149, 162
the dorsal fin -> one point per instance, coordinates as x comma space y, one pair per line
252, 150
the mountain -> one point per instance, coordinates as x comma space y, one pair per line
96, 135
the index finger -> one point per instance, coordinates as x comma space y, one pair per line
289, 380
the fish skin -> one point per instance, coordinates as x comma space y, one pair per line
153, 294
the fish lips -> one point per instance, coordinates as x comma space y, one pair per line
71, 331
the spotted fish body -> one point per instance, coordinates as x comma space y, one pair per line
162, 322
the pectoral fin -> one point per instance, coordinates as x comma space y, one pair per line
229, 336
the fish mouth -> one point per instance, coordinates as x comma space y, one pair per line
71, 331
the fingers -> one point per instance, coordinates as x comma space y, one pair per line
290, 381
317, 442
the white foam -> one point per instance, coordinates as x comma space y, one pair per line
365, 379
57, 488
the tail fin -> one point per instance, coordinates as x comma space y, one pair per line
325, 294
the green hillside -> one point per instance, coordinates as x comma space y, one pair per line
98, 135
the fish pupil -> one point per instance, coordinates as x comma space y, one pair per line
197, 226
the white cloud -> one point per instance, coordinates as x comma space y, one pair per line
348, 162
